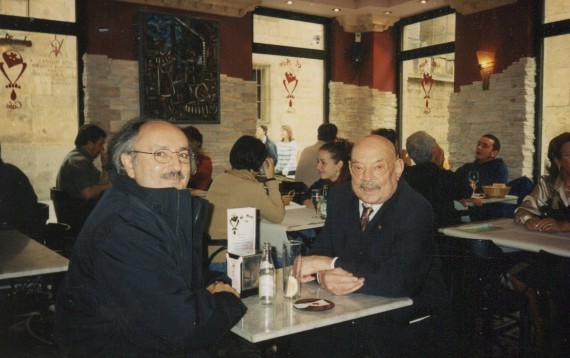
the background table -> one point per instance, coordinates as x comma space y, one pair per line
264, 322
21, 256
297, 217
504, 232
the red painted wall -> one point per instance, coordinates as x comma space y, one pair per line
120, 42
508, 30
378, 70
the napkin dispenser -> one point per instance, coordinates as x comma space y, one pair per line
244, 272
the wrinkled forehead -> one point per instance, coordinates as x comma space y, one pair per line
373, 150
161, 135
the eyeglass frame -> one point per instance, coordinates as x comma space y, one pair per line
191, 156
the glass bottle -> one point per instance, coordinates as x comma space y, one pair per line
323, 206
266, 276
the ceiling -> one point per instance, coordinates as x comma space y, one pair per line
354, 15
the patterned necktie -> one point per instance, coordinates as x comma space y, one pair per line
365, 217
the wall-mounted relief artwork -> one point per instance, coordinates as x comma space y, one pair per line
179, 68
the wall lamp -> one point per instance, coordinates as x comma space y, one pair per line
486, 61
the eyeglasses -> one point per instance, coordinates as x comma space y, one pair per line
164, 156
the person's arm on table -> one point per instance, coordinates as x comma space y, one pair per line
190, 317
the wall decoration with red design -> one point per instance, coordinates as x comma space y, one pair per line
290, 81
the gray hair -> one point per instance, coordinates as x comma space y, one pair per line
419, 146
124, 142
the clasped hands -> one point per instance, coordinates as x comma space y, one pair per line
544, 224
337, 281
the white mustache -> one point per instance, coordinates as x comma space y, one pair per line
172, 175
369, 185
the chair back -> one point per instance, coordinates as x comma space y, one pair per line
57, 236
69, 210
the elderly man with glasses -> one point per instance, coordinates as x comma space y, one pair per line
135, 285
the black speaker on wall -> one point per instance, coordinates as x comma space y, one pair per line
357, 50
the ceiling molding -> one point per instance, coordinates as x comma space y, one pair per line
366, 23
466, 7
359, 16
232, 8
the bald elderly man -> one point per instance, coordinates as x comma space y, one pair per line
378, 240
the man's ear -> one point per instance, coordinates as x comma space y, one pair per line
399, 168
494, 153
127, 161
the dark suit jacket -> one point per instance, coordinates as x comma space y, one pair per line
395, 254
440, 187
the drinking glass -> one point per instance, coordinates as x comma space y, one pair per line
473, 179
316, 197
292, 269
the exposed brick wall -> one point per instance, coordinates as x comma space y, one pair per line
505, 110
357, 110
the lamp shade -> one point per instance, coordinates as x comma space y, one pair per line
486, 60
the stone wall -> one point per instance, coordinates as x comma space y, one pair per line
112, 98
505, 110
357, 110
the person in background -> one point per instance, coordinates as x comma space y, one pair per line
439, 186
135, 285
378, 239
80, 179
392, 136
201, 176
332, 166
491, 170
286, 152
18, 200
306, 172
238, 188
261, 134
547, 209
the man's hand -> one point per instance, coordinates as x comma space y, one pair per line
310, 265
221, 287
268, 168
339, 281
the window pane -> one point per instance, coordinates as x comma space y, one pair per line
556, 87
556, 10
427, 85
59, 10
295, 95
428, 33
283, 32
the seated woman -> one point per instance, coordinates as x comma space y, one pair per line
546, 208
238, 188
332, 166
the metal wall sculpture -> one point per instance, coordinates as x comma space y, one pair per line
179, 68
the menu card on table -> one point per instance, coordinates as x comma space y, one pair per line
242, 259
241, 231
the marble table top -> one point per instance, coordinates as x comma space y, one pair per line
505, 233
21, 256
263, 322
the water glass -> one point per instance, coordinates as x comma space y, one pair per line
292, 269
